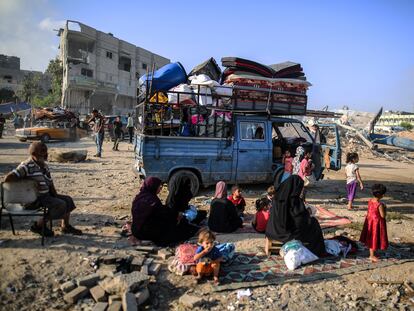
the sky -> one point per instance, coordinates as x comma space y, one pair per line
355, 53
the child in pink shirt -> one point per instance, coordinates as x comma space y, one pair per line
287, 162
305, 170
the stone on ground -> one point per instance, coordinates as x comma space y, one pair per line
89, 280
76, 294
190, 301
142, 296
129, 302
100, 306
125, 282
98, 294
68, 156
115, 306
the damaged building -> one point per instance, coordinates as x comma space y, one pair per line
12, 76
101, 71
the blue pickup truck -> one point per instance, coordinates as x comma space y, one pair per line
251, 154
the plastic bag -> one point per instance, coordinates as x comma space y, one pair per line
190, 213
173, 97
332, 247
292, 259
226, 250
295, 254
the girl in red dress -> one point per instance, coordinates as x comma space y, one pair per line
374, 233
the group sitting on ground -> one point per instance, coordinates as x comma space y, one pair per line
282, 215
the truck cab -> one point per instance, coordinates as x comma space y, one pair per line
251, 154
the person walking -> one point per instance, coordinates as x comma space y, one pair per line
117, 132
130, 126
2, 123
16, 121
98, 130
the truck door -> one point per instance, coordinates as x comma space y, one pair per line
331, 147
253, 152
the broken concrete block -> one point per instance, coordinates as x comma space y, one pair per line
190, 301
145, 269
146, 249
154, 269
142, 296
108, 259
164, 254
98, 294
67, 156
67, 286
114, 298
125, 283
100, 306
107, 271
89, 280
76, 294
148, 261
116, 306
129, 302
138, 261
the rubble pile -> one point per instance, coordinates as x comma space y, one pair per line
120, 281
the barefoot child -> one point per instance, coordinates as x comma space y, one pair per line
352, 177
207, 256
262, 215
237, 199
374, 233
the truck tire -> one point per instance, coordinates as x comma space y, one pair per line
45, 138
277, 179
195, 183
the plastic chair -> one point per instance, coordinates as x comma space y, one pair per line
15, 196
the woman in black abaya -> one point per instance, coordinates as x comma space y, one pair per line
289, 218
179, 196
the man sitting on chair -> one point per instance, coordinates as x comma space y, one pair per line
59, 206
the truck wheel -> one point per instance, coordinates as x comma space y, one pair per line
278, 177
195, 183
45, 138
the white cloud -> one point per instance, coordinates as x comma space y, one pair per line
49, 24
26, 31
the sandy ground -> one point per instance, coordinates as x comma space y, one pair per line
103, 190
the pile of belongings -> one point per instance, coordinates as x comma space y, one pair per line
279, 88
208, 93
57, 113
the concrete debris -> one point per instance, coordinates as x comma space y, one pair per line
190, 301
129, 302
100, 306
125, 282
116, 306
113, 298
164, 254
76, 294
67, 286
89, 280
98, 294
154, 268
142, 296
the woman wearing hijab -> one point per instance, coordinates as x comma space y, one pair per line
289, 218
151, 220
179, 196
223, 214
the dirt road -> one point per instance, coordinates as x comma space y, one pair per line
103, 190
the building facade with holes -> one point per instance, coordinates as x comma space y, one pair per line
101, 71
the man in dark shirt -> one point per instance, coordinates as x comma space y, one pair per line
59, 206
99, 130
117, 132
2, 123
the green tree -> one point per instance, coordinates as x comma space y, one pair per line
55, 70
31, 87
7, 95
407, 125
